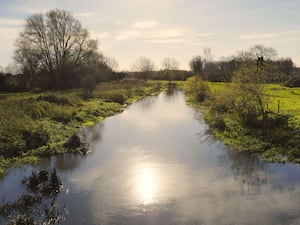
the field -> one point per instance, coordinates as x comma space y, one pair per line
278, 143
40, 124
289, 99
289, 102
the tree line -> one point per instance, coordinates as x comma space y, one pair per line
54, 51
280, 70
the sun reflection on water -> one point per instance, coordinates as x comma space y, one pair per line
147, 184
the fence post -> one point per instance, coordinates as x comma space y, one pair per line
278, 107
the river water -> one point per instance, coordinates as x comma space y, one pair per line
156, 163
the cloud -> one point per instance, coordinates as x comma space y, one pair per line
84, 14
145, 24
100, 35
5, 22
257, 36
154, 32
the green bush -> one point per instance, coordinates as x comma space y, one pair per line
196, 89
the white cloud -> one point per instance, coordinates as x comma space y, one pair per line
160, 33
31, 9
99, 35
145, 24
157, 33
5, 22
257, 36
84, 14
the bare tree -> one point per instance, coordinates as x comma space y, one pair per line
263, 52
112, 63
207, 55
196, 64
12, 69
170, 65
54, 42
144, 66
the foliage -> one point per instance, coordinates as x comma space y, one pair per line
276, 138
196, 89
46, 124
293, 82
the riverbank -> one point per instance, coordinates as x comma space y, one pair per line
36, 125
277, 141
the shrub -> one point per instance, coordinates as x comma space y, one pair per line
293, 82
196, 89
35, 137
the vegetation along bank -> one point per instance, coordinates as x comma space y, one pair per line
251, 116
35, 125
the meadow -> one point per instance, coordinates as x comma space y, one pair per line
33, 125
276, 141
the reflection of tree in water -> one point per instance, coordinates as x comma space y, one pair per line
146, 103
38, 205
67, 162
92, 134
247, 168
171, 92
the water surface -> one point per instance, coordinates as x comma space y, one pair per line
156, 163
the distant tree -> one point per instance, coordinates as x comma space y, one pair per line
207, 55
285, 65
55, 44
196, 64
112, 63
262, 57
210, 68
262, 52
144, 66
12, 69
169, 66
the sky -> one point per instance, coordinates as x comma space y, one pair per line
156, 29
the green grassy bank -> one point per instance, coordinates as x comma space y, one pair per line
276, 141
35, 125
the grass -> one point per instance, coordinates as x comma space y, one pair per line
275, 142
35, 125
289, 101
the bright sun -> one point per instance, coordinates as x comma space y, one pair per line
147, 184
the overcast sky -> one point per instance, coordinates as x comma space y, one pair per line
128, 29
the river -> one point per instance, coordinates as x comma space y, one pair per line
156, 163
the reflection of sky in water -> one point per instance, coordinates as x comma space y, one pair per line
153, 164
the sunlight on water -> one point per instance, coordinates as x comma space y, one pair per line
148, 184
